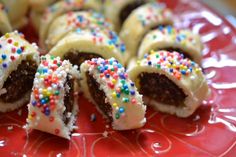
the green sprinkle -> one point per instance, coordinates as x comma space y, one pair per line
57, 92
117, 115
158, 66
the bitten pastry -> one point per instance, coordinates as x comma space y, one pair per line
84, 45
63, 7
123, 8
18, 64
85, 20
106, 84
16, 11
142, 20
5, 25
170, 83
53, 105
171, 39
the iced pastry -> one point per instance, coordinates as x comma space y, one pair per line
107, 85
53, 106
171, 39
84, 20
141, 21
61, 8
16, 11
18, 64
169, 82
123, 8
83, 45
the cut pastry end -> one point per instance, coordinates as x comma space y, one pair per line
53, 105
170, 83
106, 84
18, 64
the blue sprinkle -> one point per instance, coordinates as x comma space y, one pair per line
160, 28
42, 101
132, 92
4, 65
119, 65
4, 56
149, 63
132, 84
183, 72
107, 75
34, 103
93, 117
80, 18
0, 46
171, 70
45, 70
47, 112
19, 51
169, 29
121, 110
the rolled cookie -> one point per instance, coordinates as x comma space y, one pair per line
18, 64
144, 18
63, 7
53, 105
5, 25
85, 20
16, 11
84, 45
171, 39
170, 83
106, 84
123, 8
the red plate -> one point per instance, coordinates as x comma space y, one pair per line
211, 131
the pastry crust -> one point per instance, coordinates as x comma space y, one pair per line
90, 42
170, 37
16, 11
63, 7
186, 74
84, 20
144, 19
113, 13
46, 107
128, 111
5, 25
14, 49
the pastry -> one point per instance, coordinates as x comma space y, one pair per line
5, 25
85, 20
123, 8
144, 18
18, 64
106, 84
16, 11
83, 45
40, 5
61, 8
171, 39
169, 82
53, 105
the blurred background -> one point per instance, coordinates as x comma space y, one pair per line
225, 7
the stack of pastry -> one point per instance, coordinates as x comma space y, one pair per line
85, 53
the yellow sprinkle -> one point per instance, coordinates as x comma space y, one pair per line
114, 94
48, 93
16, 44
7, 35
44, 91
114, 105
0, 61
30, 117
197, 70
113, 81
111, 47
152, 51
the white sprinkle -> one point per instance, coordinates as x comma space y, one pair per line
19, 112
105, 134
10, 128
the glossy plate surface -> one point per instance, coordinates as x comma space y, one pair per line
211, 131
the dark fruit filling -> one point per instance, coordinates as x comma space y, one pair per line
126, 11
99, 96
69, 98
19, 82
161, 89
78, 58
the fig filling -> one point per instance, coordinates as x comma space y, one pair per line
68, 98
171, 49
127, 10
19, 81
160, 88
77, 58
99, 96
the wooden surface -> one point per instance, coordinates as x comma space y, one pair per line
231, 4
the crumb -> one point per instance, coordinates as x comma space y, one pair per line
196, 118
19, 112
105, 134
10, 128
93, 117
107, 126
